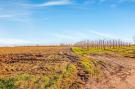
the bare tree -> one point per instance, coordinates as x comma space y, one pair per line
134, 40
102, 44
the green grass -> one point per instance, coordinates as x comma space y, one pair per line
48, 81
52, 82
79, 51
63, 76
90, 66
83, 52
7, 84
125, 51
61, 80
24, 77
70, 69
68, 76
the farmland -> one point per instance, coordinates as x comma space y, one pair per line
67, 44
42, 67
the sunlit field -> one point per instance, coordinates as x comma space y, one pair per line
58, 67
67, 44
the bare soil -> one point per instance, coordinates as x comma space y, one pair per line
118, 73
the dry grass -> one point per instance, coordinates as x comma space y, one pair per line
36, 68
30, 49
50, 67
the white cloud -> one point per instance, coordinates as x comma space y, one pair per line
104, 35
49, 3
63, 36
6, 16
117, 1
15, 17
55, 3
13, 41
71, 37
122, 1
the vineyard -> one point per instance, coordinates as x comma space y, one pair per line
84, 65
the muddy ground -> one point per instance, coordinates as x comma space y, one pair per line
116, 72
119, 73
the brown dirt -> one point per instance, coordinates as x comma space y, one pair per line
32, 62
118, 73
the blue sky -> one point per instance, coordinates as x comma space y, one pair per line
58, 21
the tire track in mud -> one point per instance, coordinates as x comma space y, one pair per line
122, 76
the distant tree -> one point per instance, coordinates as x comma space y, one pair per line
134, 39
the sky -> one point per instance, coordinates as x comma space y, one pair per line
30, 22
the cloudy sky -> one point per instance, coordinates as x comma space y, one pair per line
57, 21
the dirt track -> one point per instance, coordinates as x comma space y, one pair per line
120, 76
116, 72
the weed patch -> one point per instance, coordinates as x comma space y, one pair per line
7, 84
90, 66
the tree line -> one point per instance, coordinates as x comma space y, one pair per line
99, 44
102, 44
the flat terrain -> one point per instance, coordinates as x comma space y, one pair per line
119, 73
67, 68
